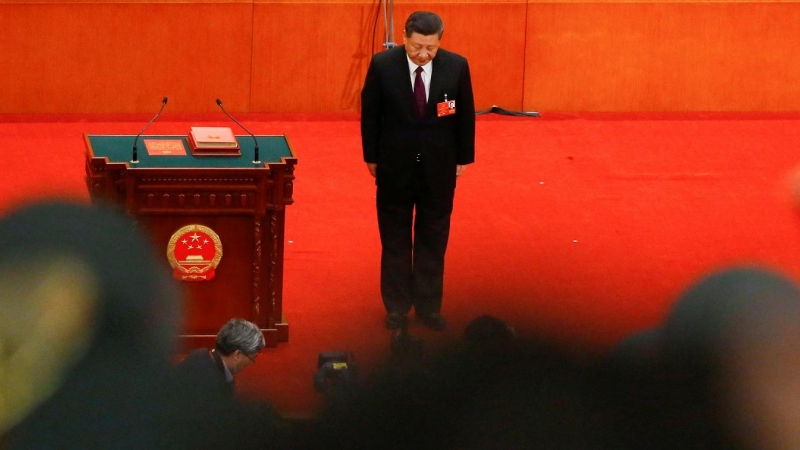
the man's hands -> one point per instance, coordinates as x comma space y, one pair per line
460, 169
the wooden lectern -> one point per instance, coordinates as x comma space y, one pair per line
206, 209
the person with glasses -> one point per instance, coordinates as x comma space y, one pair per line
237, 345
208, 398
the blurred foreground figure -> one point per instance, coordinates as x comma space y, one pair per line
489, 332
87, 320
523, 394
723, 371
736, 335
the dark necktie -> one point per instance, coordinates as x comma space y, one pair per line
419, 93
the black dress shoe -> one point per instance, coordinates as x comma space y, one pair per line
394, 320
434, 321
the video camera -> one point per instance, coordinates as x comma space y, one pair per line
334, 370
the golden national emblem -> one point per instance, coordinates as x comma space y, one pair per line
194, 252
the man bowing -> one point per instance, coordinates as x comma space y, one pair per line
418, 135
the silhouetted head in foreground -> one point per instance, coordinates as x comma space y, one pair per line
731, 341
532, 394
87, 322
489, 331
722, 371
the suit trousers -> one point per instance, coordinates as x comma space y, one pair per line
414, 228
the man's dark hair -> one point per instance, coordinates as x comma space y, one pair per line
425, 23
488, 330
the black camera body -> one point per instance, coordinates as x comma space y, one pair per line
334, 370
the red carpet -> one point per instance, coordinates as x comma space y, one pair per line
586, 227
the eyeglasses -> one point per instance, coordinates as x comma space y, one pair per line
251, 358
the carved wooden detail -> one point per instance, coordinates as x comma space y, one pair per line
257, 258
245, 206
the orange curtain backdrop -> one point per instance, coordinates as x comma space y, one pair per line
312, 57
664, 56
103, 57
94, 56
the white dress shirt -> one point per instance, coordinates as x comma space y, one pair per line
427, 72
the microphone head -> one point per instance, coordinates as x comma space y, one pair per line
164, 101
219, 102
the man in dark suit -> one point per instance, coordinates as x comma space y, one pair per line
418, 135
211, 372
212, 416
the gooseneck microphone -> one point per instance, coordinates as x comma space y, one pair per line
256, 159
135, 158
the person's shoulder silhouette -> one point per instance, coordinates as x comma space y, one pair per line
88, 323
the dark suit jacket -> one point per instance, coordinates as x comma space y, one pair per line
392, 134
204, 372
211, 417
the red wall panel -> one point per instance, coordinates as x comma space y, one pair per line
124, 57
312, 57
677, 56
306, 56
